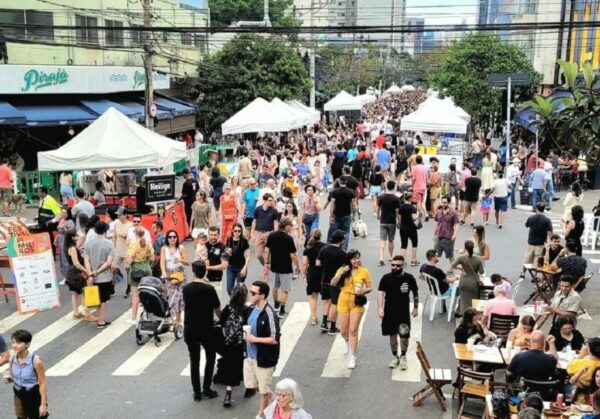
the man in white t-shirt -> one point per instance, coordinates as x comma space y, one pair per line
270, 188
501, 187
513, 175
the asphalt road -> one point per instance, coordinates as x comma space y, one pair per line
100, 374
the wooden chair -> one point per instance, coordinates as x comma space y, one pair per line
501, 325
546, 389
582, 282
435, 378
471, 385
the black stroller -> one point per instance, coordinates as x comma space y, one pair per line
156, 319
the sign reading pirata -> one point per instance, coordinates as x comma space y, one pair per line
32, 265
160, 188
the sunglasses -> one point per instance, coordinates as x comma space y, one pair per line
254, 293
172, 237
136, 222
397, 265
237, 231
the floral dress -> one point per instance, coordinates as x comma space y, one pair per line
229, 215
174, 291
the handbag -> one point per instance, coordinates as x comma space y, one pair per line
307, 219
137, 275
360, 300
75, 278
91, 296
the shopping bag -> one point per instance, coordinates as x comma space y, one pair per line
91, 296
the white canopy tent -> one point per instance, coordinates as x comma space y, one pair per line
300, 118
366, 98
408, 88
113, 141
457, 109
258, 116
436, 117
314, 115
343, 101
392, 90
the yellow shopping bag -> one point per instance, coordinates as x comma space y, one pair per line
91, 296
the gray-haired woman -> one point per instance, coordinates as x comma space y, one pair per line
288, 402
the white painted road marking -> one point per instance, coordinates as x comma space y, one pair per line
413, 373
91, 348
144, 356
13, 320
291, 331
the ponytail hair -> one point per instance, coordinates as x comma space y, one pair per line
315, 236
140, 232
469, 246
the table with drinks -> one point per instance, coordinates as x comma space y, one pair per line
480, 353
552, 410
536, 310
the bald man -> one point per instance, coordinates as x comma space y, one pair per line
534, 364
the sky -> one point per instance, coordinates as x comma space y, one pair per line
442, 12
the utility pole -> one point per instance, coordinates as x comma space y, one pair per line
148, 51
311, 53
569, 35
559, 47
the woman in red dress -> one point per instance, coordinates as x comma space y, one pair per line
229, 212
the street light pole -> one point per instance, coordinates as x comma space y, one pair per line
508, 100
149, 90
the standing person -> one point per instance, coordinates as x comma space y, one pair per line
469, 283
231, 367
280, 254
239, 258
408, 229
343, 203
537, 183
331, 258
312, 273
98, 256
573, 228
471, 197
354, 282
119, 239
159, 242
513, 175
265, 221
540, 229
288, 402
452, 180
387, 213
435, 185
249, 202
28, 376
245, 168
47, 210
393, 307
228, 215
262, 347
418, 174
464, 174
217, 258
82, 206
201, 215
65, 223
446, 230
201, 306
140, 255
310, 210
574, 197
173, 259
66, 186
488, 165
376, 181
76, 274
188, 193
500, 186
6, 186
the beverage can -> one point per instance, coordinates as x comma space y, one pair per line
560, 398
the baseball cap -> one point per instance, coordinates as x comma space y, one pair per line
186, 171
120, 211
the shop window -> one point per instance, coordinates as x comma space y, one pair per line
113, 36
137, 37
86, 32
27, 17
12, 17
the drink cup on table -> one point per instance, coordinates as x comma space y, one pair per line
470, 344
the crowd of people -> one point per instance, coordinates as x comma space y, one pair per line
271, 211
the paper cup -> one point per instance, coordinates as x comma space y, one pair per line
247, 328
470, 344
509, 346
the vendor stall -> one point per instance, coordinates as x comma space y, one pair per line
259, 116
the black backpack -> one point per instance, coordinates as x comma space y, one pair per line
500, 404
232, 329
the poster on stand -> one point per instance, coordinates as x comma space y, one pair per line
160, 188
32, 265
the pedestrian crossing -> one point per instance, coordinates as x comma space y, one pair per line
141, 358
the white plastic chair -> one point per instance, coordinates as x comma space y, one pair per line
594, 232
515, 289
436, 296
588, 223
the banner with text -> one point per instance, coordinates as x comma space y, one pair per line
160, 188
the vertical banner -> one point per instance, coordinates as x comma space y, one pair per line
173, 218
32, 264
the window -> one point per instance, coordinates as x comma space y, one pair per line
200, 42
186, 38
137, 37
113, 36
12, 17
26, 18
85, 32
166, 36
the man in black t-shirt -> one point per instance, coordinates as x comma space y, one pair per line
264, 222
540, 228
217, 258
331, 258
534, 364
189, 189
280, 254
432, 270
343, 202
471, 197
201, 306
388, 205
393, 304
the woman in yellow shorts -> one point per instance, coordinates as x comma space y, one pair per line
354, 281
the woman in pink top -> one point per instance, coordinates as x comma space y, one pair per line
418, 173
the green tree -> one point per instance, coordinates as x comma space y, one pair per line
551, 124
249, 66
224, 12
462, 73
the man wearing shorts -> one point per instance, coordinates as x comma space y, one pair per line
121, 228
264, 222
418, 174
387, 213
331, 258
98, 255
435, 185
393, 305
448, 225
262, 346
471, 197
249, 201
540, 230
280, 253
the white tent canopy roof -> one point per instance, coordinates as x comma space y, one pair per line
408, 88
113, 141
343, 101
436, 117
315, 115
393, 89
448, 103
299, 118
258, 116
366, 98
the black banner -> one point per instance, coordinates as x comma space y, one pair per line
160, 188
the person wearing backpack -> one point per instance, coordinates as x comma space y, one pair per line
231, 365
28, 376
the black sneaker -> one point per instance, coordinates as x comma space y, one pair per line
281, 313
276, 305
333, 331
209, 393
462, 222
249, 393
103, 325
324, 328
197, 397
381, 263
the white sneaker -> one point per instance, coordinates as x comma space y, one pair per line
403, 363
346, 347
352, 362
394, 362
130, 321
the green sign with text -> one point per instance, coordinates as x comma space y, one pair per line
38, 79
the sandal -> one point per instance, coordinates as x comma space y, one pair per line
313, 322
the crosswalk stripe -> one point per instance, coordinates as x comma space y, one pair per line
91, 348
291, 331
187, 369
144, 356
591, 252
413, 373
337, 362
13, 320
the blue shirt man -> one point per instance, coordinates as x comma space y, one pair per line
249, 200
537, 178
383, 158
351, 155
251, 347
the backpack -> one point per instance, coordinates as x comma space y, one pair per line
500, 404
232, 329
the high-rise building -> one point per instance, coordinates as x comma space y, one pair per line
414, 39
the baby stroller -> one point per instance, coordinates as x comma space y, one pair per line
156, 319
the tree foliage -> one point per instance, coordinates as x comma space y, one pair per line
249, 66
462, 73
224, 12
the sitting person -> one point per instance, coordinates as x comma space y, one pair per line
430, 268
596, 404
521, 335
532, 401
552, 250
528, 413
498, 279
569, 263
499, 305
566, 334
470, 327
534, 364
582, 369
566, 302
